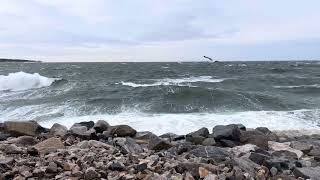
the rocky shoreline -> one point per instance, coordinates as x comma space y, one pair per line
91, 150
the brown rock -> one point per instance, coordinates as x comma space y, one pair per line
20, 128
203, 172
49, 145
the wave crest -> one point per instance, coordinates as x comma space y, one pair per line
20, 81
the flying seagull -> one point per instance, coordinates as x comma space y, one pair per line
208, 58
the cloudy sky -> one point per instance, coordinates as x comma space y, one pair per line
159, 30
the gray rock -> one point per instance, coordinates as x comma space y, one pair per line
197, 140
305, 147
241, 127
91, 173
52, 168
275, 146
141, 167
285, 154
308, 172
127, 145
24, 140
273, 171
246, 165
6, 161
145, 135
259, 158
254, 137
204, 132
244, 149
123, 131
158, 144
101, 126
230, 132
216, 153
13, 149
83, 132
116, 166
20, 128
58, 130
88, 124
209, 142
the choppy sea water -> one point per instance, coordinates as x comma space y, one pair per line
164, 97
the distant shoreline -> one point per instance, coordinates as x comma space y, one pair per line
17, 60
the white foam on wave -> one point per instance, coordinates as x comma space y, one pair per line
298, 86
177, 82
20, 81
185, 123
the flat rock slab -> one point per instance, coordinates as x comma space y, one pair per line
213, 152
275, 146
17, 128
308, 172
49, 145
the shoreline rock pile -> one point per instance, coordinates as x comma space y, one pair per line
91, 150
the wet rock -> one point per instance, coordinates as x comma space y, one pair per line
87, 124
275, 146
254, 137
58, 130
91, 174
230, 132
123, 131
241, 127
49, 145
302, 146
308, 173
101, 126
127, 145
203, 132
158, 144
170, 136
52, 168
216, 153
20, 128
209, 142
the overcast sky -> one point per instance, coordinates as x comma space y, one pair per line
159, 30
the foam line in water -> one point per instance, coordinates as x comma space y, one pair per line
298, 86
177, 82
20, 81
185, 123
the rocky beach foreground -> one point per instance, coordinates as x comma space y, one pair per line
91, 150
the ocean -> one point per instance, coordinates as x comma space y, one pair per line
176, 97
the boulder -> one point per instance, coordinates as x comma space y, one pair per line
228, 143
127, 145
259, 158
158, 144
52, 168
88, 124
229, 132
241, 127
216, 153
203, 132
308, 172
171, 137
144, 135
254, 137
123, 131
101, 126
238, 151
20, 128
24, 140
116, 166
13, 149
49, 145
285, 154
275, 146
305, 147
246, 165
209, 142
83, 132
181, 148
58, 130
197, 140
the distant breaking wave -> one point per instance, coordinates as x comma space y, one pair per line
177, 82
300, 86
20, 81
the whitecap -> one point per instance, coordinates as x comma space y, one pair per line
298, 86
20, 81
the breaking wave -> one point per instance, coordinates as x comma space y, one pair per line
20, 81
176, 82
